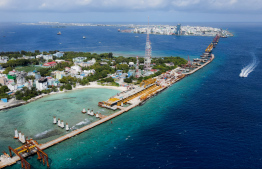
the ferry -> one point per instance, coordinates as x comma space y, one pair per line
59, 33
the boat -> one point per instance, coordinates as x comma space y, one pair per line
59, 33
84, 111
118, 30
84, 37
136, 36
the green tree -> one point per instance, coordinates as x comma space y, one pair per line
7, 70
68, 87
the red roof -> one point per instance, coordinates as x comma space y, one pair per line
153, 70
50, 64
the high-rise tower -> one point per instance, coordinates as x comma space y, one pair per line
148, 49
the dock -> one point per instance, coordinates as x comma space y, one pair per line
135, 97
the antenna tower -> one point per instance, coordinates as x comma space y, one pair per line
148, 49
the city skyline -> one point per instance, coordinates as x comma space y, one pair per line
131, 11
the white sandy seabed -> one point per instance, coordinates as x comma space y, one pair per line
13, 102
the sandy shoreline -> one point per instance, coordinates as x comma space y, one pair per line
15, 103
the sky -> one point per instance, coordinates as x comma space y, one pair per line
130, 10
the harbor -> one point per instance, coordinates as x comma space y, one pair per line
123, 101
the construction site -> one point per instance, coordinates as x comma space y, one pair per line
122, 102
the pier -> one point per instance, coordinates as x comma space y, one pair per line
134, 97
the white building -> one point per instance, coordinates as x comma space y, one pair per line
79, 59
87, 72
41, 84
59, 54
48, 57
131, 64
75, 69
12, 86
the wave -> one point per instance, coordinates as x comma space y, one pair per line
250, 67
48, 133
79, 124
43, 133
83, 122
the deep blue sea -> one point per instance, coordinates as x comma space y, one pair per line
211, 119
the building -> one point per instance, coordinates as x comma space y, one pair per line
3, 80
12, 86
4, 59
178, 29
131, 64
88, 72
48, 57
41, 84
79, 59
59, 61
169, 64
59, 54
11, 76
67, 69
50, 64
75, 69
103, 63
37, 76
59, 74
51, 81
131, 73
20, 78
26, 57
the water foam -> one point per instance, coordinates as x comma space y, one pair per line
43, 133
83, 122
250, 67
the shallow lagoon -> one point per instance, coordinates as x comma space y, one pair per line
35, 119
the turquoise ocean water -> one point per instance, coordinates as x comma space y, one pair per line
211, 119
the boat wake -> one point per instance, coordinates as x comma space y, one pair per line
250, 67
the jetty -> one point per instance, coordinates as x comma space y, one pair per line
132, 98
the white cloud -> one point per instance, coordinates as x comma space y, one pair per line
214, 6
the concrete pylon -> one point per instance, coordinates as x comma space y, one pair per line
62, 124
92, 113
97, 115
58, 123
54, 120
19, 135
16, 134
67, 128
23, 138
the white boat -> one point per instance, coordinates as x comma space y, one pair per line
84, 37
